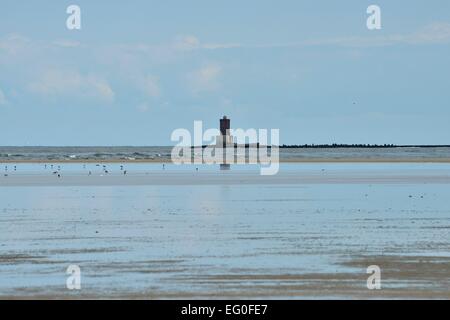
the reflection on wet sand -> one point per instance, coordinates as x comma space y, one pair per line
300, 239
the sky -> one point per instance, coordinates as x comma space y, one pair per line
138, 70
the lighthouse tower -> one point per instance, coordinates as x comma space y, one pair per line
225, 139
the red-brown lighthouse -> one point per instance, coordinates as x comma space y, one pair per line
224, 126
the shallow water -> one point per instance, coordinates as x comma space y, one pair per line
163, 153
156, 241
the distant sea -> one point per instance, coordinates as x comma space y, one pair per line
163, 153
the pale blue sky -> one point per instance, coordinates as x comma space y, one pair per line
140, 69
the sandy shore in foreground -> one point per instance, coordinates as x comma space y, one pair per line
310, 231
223, 178
404, 277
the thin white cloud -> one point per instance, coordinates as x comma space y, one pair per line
214, 46
20, 51
434, 33
143, 107
13, 43
150, 86
100, 88
205, 79
191, 42
188, 42
64, 43
57, 83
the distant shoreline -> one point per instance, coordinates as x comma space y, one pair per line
361, 146
300, 146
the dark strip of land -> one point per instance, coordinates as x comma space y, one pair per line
335, 145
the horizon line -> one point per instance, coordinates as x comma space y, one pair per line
305, 145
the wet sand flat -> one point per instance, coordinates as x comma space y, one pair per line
309, 232
289, 173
